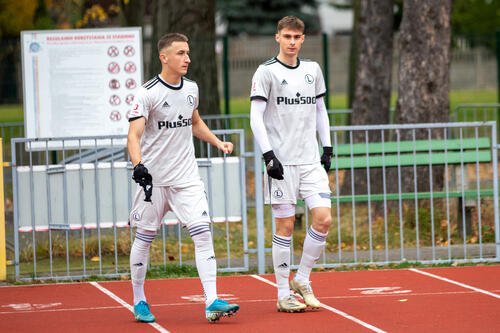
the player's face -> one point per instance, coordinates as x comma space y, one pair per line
176, 57
290, 41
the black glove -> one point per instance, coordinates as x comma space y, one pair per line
326, 158
273, 165
144, 179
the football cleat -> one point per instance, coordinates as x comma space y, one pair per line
220, 308
304, 289
290, 304
142, 313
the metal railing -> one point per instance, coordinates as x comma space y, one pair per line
81, 204
476, 112
400, 194
455, 220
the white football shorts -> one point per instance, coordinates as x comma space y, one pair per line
300, 182
187, 201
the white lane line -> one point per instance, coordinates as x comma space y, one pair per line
329, 308
463, 285
264, 280
239, 301
127, 306
64, 309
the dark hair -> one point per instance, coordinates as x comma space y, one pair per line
291, 22
169, 38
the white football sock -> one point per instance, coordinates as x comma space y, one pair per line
205, 260
281, 263
313, 246
139, 262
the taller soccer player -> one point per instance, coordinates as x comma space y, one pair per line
160, 143
287, 109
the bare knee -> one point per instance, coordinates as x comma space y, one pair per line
322, 219
284, 226
284, 217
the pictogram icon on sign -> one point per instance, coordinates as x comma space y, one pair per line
113, 68
114, 84
129, 99
115, 116
129, 50
114, 100
130, 67
113, 51
130, 83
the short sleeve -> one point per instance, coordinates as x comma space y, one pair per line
320, 83
260, 85
196, 98
140, 108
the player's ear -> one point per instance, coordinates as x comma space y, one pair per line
163, 58
277, 37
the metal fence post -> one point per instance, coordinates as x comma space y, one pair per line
326, 69
3, 257
16, 213
495, 188
225, 70
259, 209
498, 63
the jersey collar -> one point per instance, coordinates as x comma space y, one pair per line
168, 85
288, 66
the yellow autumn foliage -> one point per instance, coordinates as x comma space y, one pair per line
16, 16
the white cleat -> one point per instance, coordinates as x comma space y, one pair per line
304, 289
290, 304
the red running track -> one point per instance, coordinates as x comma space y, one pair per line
455, 299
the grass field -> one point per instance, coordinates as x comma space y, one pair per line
10, 113
14, 113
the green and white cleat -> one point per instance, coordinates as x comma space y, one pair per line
220, 308
142, 313
304, 289
290, 304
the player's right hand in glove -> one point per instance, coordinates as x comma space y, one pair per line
144, 179
273, 165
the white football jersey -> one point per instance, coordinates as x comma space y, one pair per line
290, 115
167, 148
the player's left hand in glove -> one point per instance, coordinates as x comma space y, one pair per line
326, 158
273, 165
144, 179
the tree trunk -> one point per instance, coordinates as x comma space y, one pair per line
373, 83
424, 76
195, 19
132, 12
353, 57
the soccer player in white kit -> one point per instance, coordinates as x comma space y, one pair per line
160, 143
287, 109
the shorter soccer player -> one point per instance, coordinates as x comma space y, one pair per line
160, 143
287, 109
